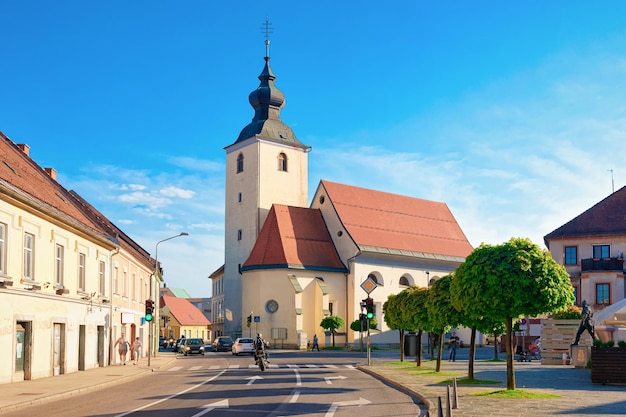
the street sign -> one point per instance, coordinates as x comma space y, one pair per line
257, 319
369, 285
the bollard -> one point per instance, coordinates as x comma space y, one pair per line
439, 408
448, 405
455, 395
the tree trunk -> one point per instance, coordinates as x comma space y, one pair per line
418, 357
439, 352
470, 367
333, 338
510, 355
401, 345
495, 346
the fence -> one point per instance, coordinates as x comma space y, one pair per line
557, 337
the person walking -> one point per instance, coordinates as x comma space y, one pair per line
136, 350
122, 349
315, 343
454, 343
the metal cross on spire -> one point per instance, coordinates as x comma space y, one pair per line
267, 29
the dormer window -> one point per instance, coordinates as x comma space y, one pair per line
282, 162
240, 163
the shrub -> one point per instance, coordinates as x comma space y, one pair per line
571, 312
598, 343
610, 343
621, 343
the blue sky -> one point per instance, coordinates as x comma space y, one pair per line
512, 113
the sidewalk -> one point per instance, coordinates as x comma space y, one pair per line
578, 396
23, 394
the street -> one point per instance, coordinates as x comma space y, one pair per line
218, 384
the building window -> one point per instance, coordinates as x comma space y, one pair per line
373, 278
124, 283
571, 255
115, 289
3, 248
576, 301
240, 163
133, 286
101, 275
239, 198
404, 282
603, 294
29, 256
59, 257
601, 251
239, 234
282, 162
81, 271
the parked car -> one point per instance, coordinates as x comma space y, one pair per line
243, 345
191, 345
491, 339
176, 345
222, 344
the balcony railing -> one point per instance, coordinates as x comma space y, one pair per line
604, 264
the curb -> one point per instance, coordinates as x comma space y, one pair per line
427, 403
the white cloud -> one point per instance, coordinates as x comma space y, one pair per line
176, 192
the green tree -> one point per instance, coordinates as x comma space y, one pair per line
332, 323
441, 313
510, 280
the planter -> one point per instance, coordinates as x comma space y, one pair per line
608, 365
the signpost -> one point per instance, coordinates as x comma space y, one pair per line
368, 286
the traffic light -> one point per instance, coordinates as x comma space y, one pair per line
369, 306
363, 320
149, 310
249, 320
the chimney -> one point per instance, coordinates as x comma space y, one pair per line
52, 172
24, 147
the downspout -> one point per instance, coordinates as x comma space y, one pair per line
111, 255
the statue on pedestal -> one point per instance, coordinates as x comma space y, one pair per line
585, 323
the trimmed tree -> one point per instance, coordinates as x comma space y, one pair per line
441, 313
332, 323
507, 281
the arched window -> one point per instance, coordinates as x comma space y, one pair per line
404, 282
282, 162
240, 163
373, 278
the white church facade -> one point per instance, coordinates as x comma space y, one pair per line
288, 263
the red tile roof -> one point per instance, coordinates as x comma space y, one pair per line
385, 221
606, 218
26, 181
294, 237
184, 312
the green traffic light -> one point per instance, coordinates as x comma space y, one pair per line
148, 317
370, 315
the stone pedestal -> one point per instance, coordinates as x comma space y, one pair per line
579, 356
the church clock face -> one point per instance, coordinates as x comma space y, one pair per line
271, 306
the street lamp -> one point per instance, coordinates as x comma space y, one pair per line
155, 275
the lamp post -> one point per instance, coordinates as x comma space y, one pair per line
155, 275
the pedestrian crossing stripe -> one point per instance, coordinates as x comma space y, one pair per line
252, 366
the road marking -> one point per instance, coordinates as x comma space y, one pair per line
335, 405
211, 407
298, 379
273, 366
328, 378
195, 368
292, 366
330, 366
253, 379
233, 367
252, 366
350, 366
175, 368
214, 367
169, 397
311, 366
294, 397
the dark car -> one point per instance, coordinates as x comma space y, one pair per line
222, 344
176, 345
191, 345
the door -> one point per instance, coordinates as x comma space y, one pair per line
58, 347
81, 347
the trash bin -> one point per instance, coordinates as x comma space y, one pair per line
410, 344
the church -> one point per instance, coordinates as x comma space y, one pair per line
288, 263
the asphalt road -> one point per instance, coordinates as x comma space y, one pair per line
220, 384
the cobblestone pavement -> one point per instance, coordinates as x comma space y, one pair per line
577, 395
